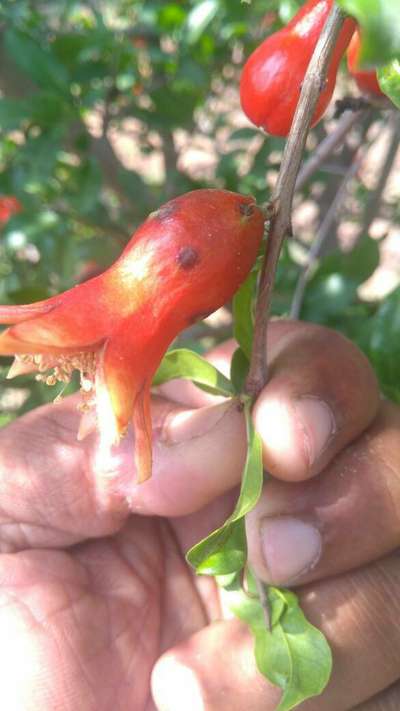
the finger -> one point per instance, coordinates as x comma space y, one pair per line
48, 494
314, 404
341, 520
387, 700
215, 668
56, 491
322, 393
50, 481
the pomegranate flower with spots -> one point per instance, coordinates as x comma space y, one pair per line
185, 261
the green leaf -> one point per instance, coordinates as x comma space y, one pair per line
243, 325
244, 134
389, 81
39, 63
183, 363
293, 654
12, 113
381, 342
287, 9
199, 18
328, 298
380, 29
240, 365
358, 264
224, 550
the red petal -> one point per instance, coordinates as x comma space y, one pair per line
12, 344
115, 391
124, 375
142, 428
79, 319
16, 314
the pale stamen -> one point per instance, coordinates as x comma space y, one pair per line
59, 369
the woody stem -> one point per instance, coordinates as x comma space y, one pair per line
282, 199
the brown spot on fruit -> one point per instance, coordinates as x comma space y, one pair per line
246, 209
187, 257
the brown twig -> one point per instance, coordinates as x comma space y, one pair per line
280, 225
373, 204
357, 103
327, 146
170, 161
322, 235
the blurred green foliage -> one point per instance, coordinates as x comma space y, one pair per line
93, 95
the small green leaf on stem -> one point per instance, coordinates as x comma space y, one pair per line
239, 369
186, 364
243, 317
224, 551
293, 654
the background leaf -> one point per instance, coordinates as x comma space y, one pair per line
199, 17
389, 80
39, 62
380, 338
357, 264
379, 20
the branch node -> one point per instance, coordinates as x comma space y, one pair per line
269, 209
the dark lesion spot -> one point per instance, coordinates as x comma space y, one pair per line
187, 257
246, 209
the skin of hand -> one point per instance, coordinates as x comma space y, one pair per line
99, 610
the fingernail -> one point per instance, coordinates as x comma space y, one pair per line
290, 548
317, 423
186, 425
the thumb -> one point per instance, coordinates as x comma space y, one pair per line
198, 454
64, 491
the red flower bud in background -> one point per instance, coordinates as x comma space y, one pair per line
185, 261
367, 80
271, 80
9, 206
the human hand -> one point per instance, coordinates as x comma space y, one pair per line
99, 607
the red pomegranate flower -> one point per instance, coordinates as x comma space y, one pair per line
185, 261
